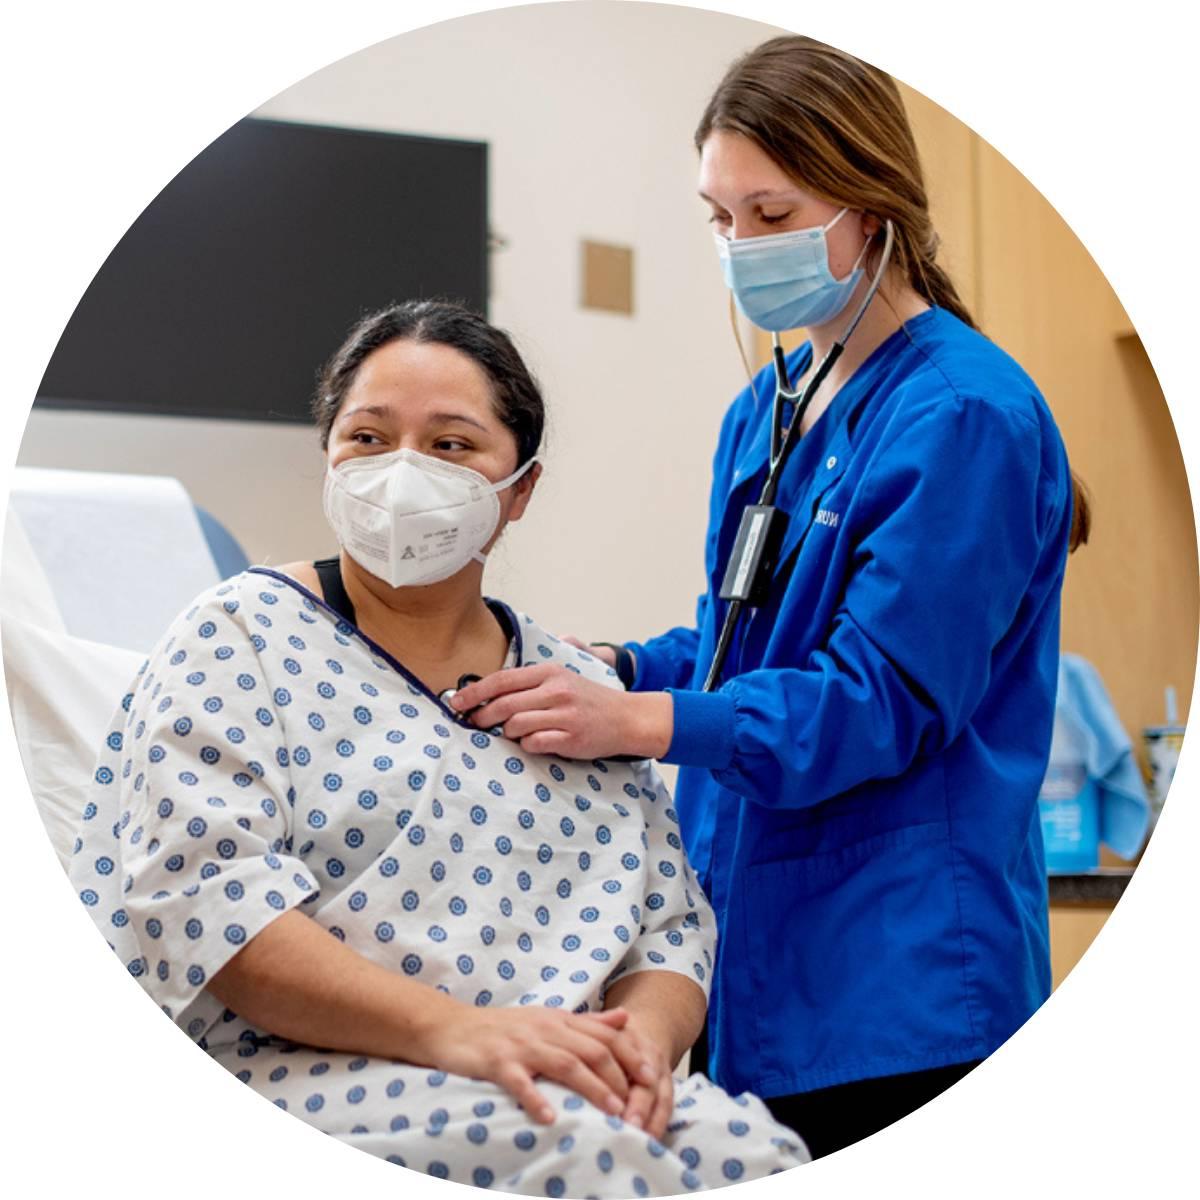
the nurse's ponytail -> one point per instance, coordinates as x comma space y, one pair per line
1081, 514
837, 126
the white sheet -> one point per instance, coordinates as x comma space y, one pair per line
62, 687
25, 592
122, 553
61, 691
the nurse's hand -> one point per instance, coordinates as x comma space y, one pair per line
550, 710
606, 654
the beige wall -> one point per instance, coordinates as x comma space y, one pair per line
588, 110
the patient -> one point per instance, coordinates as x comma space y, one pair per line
461, 956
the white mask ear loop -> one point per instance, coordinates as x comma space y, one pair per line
497, 488
827, 228
511, 479
866, 245
862, 254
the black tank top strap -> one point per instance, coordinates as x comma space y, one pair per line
500, 612
333, 591
329, 572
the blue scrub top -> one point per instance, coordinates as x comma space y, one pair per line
859, 797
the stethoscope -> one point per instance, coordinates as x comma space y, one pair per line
752, 563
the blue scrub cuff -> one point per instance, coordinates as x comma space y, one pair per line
703, 735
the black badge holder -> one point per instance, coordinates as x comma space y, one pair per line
755, 554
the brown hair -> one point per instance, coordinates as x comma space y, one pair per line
837, 126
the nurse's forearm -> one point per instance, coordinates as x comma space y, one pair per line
669, 1005
296, 980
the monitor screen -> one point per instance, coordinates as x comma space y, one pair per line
243, 275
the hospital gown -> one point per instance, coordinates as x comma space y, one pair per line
270, 757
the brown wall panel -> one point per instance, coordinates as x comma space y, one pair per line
1130, 603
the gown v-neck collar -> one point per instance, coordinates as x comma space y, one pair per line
516, 644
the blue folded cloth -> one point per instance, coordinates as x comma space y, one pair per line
1108, 755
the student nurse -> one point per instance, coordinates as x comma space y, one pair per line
858, 791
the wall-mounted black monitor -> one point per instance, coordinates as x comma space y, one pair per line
244, 273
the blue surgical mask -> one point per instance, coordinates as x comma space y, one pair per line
783, 281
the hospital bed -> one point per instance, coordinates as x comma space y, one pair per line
95, 566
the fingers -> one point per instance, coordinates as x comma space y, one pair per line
499, 683
606, 654
598, 1057
517, 1081
664, 1106
600, 1060
524, 723
636, 1057
649, 1106
616, 1018
501, 710
550, 741
639, 1105
566, 1068
553, 688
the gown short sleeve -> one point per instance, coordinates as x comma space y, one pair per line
676, 927
205, 812
678, 931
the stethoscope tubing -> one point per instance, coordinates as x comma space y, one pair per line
784, 442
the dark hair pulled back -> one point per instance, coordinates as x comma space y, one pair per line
515, 393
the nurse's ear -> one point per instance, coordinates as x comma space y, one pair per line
870, 225
522, 490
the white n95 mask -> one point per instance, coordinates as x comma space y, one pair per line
783, 281
411, 519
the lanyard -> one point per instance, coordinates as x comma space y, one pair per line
752, 563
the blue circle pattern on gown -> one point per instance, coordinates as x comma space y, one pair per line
445, 855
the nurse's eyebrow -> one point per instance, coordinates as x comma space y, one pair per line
772, 194
761, 194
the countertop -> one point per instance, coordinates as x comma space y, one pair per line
1104, 885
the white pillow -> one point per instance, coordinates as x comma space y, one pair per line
63, 692
25, 591
122, 554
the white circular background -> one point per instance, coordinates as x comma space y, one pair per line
1095, 105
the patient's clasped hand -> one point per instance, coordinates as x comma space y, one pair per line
432, 944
